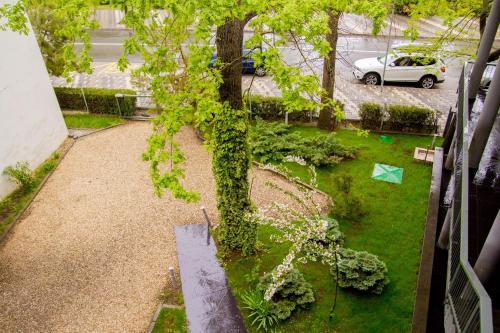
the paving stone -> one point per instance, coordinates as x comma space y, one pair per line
210, 306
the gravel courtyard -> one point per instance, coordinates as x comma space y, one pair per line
92, 252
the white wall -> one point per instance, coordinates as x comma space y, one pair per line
31, 123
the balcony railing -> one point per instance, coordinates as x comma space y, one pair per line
466, 298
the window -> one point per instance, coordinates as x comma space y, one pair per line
423, 61
403, 61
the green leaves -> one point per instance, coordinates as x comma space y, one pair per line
275, 141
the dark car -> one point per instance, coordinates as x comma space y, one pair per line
248, 63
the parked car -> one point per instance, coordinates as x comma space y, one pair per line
248, 63
489, 70
401, 67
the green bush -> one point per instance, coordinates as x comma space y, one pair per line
261, 311
360, 270
294, 293
21, 174
402, 118
371, 115
275, 141
346, 205
411, 119
333, 234
273, 108
98, 100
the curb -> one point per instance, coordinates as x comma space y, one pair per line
7, 231
96, 130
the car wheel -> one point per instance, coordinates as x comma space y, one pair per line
427, 82
371, 79
259, 71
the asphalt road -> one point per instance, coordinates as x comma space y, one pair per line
107, 46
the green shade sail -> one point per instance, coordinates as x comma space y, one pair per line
387, 173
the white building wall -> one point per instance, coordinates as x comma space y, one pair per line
31, 123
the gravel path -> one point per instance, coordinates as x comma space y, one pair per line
91, 254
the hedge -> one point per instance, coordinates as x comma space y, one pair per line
273, 108
402, 118
98, 100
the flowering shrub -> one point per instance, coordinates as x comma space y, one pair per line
294, 292
314, 237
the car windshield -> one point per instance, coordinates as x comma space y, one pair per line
381, 59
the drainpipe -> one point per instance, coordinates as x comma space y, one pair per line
484, 48
489, 257
486, 120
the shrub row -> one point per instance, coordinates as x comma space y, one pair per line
273, 108
402, 118
98, 100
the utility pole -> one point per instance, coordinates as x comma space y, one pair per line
388, 47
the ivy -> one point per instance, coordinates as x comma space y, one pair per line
231, 161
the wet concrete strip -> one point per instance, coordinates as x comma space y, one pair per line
210, 305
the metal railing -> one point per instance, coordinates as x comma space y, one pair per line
468, 301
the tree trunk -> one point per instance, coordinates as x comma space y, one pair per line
229, 44
483, 16
327, 119
231, 157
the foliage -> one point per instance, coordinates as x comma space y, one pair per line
275, 142
236, 231
361, 270
99, 100
90, 121
261, 311
273, 108
412, 118
390, 311
57, 25
13, 204
346, 205
295, 292
20, 174
371, 115
403, 118
314, 238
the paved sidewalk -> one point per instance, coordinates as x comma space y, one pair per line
92, 252
347, 90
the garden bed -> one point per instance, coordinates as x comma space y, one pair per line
392, 229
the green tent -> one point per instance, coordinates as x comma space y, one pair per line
387, 173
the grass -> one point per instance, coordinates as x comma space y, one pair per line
90, 121
13, 204
171, 321
392, 229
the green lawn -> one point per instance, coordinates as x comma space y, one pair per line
90, 121
171, 321
13, 204
392, 229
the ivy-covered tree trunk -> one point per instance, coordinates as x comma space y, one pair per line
326, 118
231, 159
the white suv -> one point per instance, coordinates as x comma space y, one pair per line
401, 67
